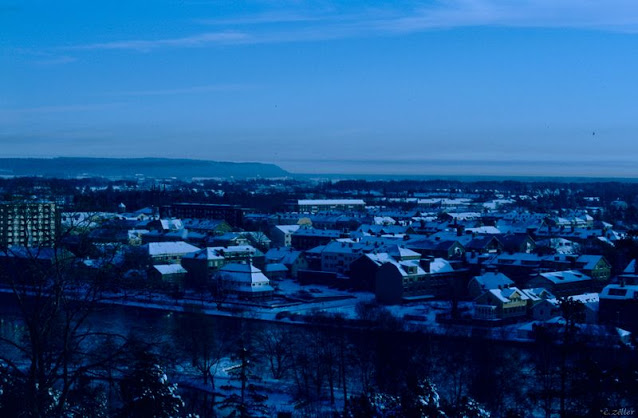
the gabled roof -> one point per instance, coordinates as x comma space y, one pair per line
589, 262
631, 267
493, 280
440, 265
275, 267
248, 276
400, 252
538, 293
383, 229
288, 229
283, 255
480, 242
514, 240
171, 224
504, 295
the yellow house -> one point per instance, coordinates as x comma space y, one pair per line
501, 304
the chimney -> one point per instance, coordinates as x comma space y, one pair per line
425, 263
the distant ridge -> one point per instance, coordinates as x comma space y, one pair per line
120, 168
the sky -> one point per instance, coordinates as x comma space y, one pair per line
492, 87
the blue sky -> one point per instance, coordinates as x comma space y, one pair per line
323, 86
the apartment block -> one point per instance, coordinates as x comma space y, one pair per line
28, 224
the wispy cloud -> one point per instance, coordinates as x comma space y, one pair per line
146, 45
57, 109
59, 60
184, 90
264, 18
610, 15
614, 15
45, 57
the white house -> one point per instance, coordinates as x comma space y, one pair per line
245, 281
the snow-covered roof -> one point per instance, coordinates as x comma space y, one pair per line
384, 220
331, 233
379, 258
320, 202
275, 267
440, 265
170, 269
288, 229
589, 262
505, 294
167, 248
238, 249
245, 278
444, 201
616, 291
283, 255
171, 224
408, 268
347, 247
591, 300
538, 293
631, 268
569, 276
204, 224
213, 253
208, 253
398, 251
484, 230
493, 280
383, 229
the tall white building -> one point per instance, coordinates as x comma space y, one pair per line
28, 224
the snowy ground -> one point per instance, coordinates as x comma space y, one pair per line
293, 298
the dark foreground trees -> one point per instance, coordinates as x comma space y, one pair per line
53, 349
146, 391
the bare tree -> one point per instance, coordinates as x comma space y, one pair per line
53, 347
275, 345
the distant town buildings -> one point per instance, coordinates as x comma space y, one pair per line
233, 214
494, 251
324, 205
